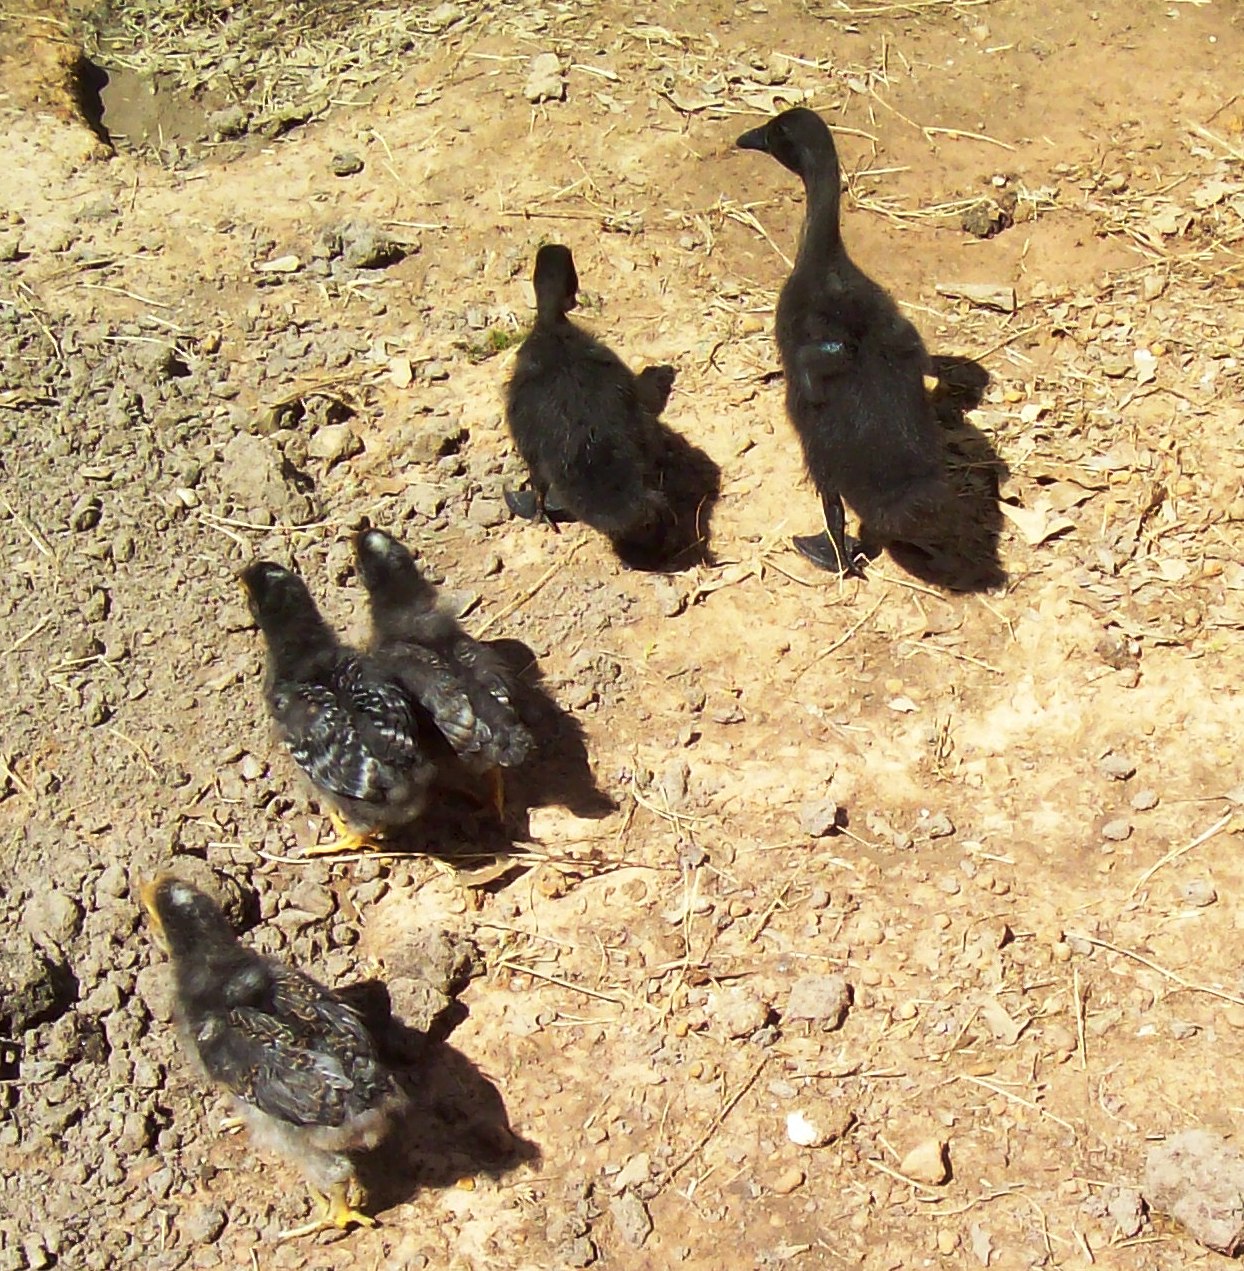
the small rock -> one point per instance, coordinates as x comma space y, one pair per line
1127, 1207
366, 247
311, 898
253, 471
545, 81
85, 513
937, 825
1118, 829
632, 1218
231, 122
10, 248
1144, 800
28, 987
52, 918
201, 1224
346, 164
1116, 767
739, 1011
928, 1162
333, 443
1198, 1179
819, 817
1199, 893
431, 439
789, 1180
487, 513
818, 1128
823, 999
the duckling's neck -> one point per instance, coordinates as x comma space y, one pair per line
821, 242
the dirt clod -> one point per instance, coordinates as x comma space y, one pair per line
1198, 1178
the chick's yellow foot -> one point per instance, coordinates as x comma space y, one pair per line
347, 840
337, 1209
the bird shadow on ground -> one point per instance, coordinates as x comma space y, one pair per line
454, 1125
460, 830
689, 479
960, 552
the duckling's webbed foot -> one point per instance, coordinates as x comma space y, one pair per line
834, 550
536, 506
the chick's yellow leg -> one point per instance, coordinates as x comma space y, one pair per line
337, 1209
347, 840
340, 1207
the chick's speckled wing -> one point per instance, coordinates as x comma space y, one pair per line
301, 1055
353, 734
458, 682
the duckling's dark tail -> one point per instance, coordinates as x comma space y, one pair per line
906, 513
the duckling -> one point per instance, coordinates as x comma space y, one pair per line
460, 682
349, 724
855, 370
297, 1059
581, 421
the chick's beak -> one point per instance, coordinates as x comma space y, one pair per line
147, 894
754, 139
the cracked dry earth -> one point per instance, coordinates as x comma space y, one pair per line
875, 925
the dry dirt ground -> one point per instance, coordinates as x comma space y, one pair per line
1032, 890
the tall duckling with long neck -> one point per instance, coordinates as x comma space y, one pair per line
582, 421
855, 371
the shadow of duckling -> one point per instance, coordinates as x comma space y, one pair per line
454, 1124
959, 550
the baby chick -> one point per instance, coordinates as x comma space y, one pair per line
298, 1061
350, 726
460, 682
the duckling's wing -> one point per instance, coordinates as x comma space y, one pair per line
350, 734
821, 362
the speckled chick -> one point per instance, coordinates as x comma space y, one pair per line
298, 1061
462, 684
350, 726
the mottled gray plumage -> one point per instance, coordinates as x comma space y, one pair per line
298, 1060
462, 684
350, 726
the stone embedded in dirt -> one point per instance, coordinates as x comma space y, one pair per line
928, 1162
366, 247
231, 122
52, 918
333, 443
10, 248
430, 438
789, 1180
29, 991
818, 1127
487, 513
1116, 767
1127, 1207
1118, 829
1199, 893
545, 81
632, 1218
253, 471
937, 825
201, 1224
346, 163
823, 999
1197, 1178
819, 817
1144, 800
739, 1011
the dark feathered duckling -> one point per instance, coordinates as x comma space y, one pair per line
298, 1061
582, 420
855, 370
461, 683
351, 727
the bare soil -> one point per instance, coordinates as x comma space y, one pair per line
1032, 885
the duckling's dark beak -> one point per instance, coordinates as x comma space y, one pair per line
755, 139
